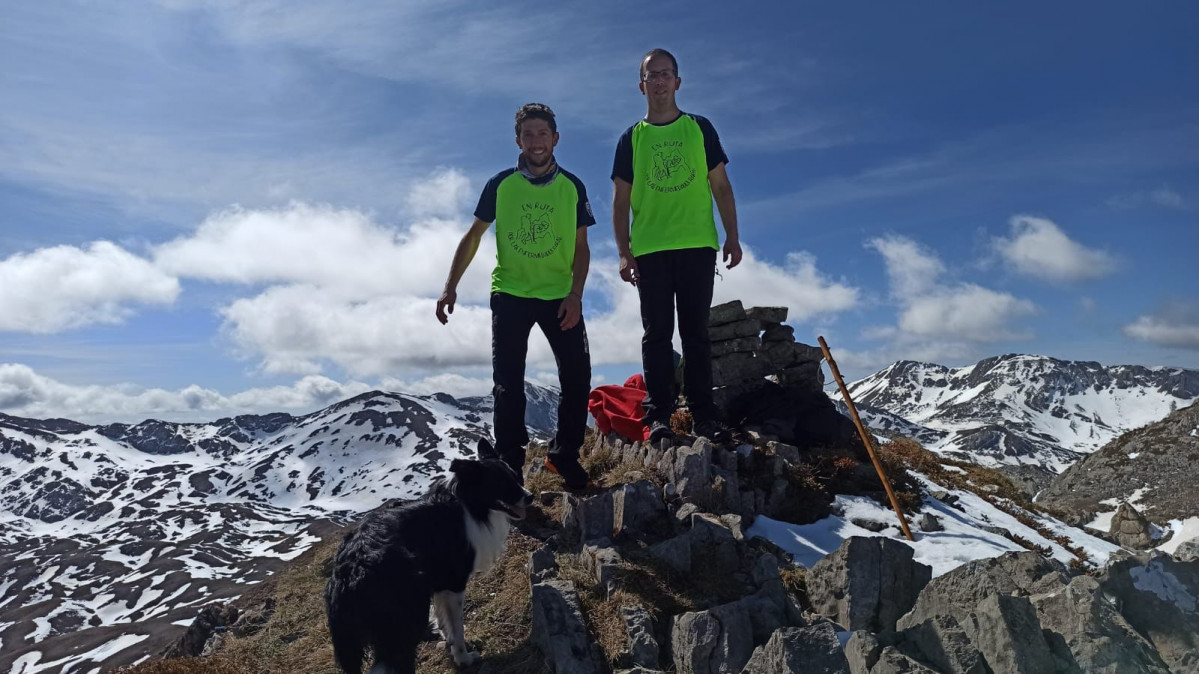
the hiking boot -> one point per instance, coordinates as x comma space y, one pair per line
707, 429
659, 431
572, 473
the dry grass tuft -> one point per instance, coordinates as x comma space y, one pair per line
681, 422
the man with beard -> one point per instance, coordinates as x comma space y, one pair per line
668, 168
541, 215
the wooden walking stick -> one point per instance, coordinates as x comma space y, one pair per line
866, 440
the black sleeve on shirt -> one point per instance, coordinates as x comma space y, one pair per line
485, 211
622, 165
583, 216
712, 147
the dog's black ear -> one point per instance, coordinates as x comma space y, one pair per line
457, 465
486, 451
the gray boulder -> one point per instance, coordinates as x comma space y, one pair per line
674, 552
893, 661
726, 313
592, 516
800, 649
542, 565
636, 507
1159, 597
867, 583
735, 368
930, 522
642, 645
941, 642
1187, 551
602, 561
560, 630
716, 641
861, 652
747, 344
715, 544
767, 315
691, 471
1088, 634
1008, 635
958, 592
742, 328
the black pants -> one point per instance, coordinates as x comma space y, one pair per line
683, 278
511, 320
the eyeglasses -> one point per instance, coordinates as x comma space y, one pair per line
654, 75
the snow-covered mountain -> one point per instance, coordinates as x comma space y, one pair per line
105, 526
1019, 409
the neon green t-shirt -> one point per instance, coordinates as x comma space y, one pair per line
667, 166
536, 219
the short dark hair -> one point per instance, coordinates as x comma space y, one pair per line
658, 51
535, 111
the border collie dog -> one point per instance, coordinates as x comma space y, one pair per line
400, 560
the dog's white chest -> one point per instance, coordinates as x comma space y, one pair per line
488, 539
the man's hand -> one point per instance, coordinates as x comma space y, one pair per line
732, 252
446, 304
628, 269
570, 311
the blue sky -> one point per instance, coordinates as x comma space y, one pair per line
217, 207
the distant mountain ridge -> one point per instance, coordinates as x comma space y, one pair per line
103, 526
1020, 410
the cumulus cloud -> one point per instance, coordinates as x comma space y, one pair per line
297, 328
24, 392
345, 290
967, 312
64, 287
1176, 326
441, 196
912, 269
796, 284
947, 313
1037, 247
339, 250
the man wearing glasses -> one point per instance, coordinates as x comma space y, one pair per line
541, 216
668, 168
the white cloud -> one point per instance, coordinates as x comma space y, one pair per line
1175, 326
967, 312
441, 196
338, 250
64, 287
797, 285
912, 269
297, 328
347, 291
1039, 248
24, 392
455, 384
935, 317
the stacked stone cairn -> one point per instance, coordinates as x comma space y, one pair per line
752, 348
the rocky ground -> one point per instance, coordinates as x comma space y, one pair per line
653, 572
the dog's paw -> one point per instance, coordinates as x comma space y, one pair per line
465, 658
